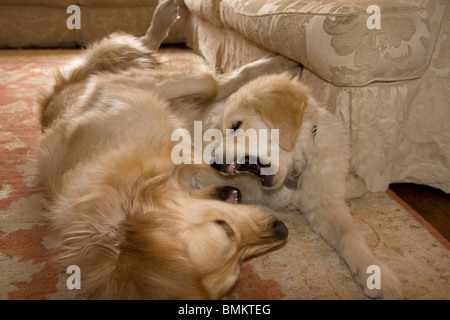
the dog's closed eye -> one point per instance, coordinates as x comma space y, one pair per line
229, 232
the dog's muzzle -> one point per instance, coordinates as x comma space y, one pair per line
228, 194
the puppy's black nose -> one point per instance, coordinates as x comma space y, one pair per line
280, 230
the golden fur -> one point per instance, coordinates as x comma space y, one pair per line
313, 175
125, 214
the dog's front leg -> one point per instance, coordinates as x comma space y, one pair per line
201, 86
231, 82
334, 223
166, 13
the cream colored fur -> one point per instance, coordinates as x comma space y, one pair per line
314, 147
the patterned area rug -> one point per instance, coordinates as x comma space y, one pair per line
305, 268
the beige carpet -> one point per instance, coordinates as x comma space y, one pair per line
305, 268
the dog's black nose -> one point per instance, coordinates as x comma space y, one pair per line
214, 165
219, 167
279, 229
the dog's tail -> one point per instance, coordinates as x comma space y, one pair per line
115, 53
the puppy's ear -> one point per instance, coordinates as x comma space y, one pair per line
281, 105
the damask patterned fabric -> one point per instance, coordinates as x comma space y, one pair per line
390, 86
399, 131
333, 39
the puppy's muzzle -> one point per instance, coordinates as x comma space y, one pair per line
236, 167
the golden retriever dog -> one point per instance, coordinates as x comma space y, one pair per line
124, 212
310, 170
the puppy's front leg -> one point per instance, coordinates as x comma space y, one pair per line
334, 223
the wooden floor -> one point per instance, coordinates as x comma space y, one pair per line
432, 204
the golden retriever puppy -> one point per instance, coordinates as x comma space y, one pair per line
306, 161
124, 212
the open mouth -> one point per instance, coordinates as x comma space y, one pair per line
246, 166
227, 194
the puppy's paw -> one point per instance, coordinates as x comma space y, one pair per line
389, 287
355, 187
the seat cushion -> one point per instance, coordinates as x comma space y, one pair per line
81, 3
37, 3
43, 23
332, 38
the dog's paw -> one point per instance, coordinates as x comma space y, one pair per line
388, 288
166, 13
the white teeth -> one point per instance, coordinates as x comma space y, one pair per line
235, 194
236, 171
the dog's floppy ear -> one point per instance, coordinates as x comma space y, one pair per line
152, 263
281, 105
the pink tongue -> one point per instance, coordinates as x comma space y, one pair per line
231, 169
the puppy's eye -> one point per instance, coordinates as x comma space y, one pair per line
236, 125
